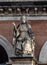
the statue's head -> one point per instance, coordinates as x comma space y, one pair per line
23, 19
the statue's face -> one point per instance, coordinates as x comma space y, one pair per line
23, 19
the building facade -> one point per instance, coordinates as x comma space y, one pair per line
36, 13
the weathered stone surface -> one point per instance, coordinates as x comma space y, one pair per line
6, 45
43, 54
21, 0
18, 18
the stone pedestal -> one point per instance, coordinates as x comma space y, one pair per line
22, 61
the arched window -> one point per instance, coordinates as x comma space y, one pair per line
43, 54
6, 50
3, 55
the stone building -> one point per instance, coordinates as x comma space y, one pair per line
36, 13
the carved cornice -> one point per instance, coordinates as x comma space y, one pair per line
19, 0
20, 8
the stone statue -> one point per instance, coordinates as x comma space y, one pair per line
25, 44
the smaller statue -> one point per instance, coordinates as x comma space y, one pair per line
24, 39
